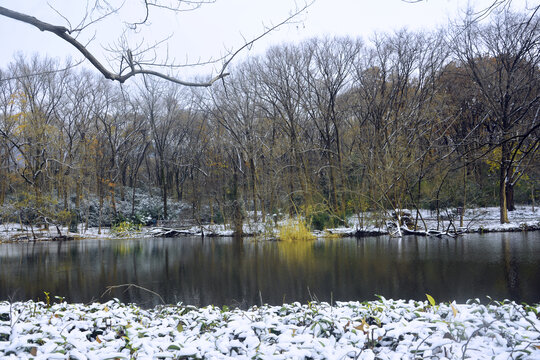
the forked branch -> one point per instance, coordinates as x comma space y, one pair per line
136, 68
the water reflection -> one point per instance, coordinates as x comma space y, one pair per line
225, 271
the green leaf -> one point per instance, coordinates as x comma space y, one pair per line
430, 299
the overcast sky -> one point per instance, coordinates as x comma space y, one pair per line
215, 28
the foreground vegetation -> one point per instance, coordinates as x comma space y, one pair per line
383, 329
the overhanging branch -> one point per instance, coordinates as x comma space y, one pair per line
65, 34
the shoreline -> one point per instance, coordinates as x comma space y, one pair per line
210, 231
477, 220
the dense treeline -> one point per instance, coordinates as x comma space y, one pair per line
326, 128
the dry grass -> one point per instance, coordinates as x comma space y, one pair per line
295, 230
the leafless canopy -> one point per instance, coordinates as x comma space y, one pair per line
132, 61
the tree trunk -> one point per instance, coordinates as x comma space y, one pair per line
502, 185
177, 184
332, 186
510, 205
113, 200
464, 203
163, 188
100, 211
77, 193
238, 217
3, 188
254, 189
133, 201
65, 192
124, 183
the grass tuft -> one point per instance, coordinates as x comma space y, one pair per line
295, 230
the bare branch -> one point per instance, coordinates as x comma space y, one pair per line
129, 286
46, 72
127, 55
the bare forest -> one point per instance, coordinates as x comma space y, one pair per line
325, 129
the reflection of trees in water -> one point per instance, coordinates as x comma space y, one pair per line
223, 271
511, 269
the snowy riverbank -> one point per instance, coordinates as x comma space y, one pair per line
383, 329
475, 220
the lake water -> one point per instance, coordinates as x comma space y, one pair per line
222, 271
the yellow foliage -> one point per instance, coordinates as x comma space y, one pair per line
125, 228
295, 230
493, 160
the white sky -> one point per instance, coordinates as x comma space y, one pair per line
212, 30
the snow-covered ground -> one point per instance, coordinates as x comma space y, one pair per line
14, 232
384, 329
475, 220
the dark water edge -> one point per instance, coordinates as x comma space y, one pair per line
222, 271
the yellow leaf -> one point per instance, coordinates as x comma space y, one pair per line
430, 299
98, 340
454, 310
363, 327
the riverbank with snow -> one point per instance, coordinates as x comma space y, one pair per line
383, 329
479, 220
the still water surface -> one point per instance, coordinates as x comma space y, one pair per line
223, 271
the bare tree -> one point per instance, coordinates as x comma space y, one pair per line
393, 104
503, 58
162, 108
280, 73
327, 77
31, 119
235, 108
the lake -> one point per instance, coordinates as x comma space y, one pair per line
222, 271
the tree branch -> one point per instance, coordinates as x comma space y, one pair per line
65, 34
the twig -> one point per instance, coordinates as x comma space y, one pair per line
11, 316
421, 342
129, 286
475, 332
